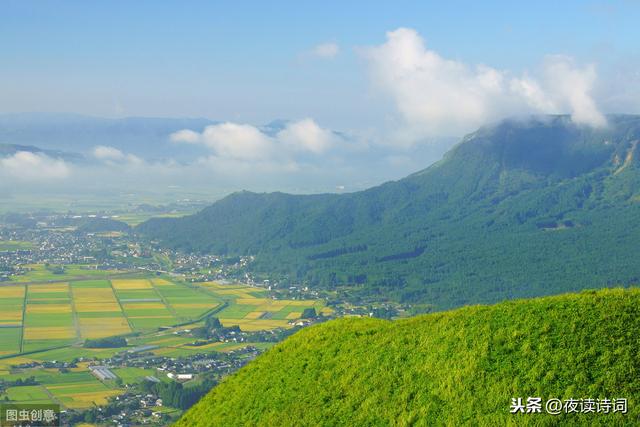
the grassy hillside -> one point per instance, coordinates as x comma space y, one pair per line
515, 210
452, 368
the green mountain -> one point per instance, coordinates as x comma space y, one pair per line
518, 209
461, 367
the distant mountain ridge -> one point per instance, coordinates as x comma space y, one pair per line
455, 368
144, 137
11, 149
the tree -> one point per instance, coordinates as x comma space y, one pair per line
212, 323
309, 313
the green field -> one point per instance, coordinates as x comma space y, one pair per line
14, 245
42, 273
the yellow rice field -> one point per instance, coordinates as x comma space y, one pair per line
85, 400
48, 308
48, 332
58, 287
103, 327
250, 325
97, 307
144, 306
81, 295
128, 284
254, 315
11, 315
12, 292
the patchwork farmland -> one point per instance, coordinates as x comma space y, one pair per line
41, 322
44, 316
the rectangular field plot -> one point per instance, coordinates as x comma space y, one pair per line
237, 311
47, 308
40, 273
48, 317
48, 294
255, 325
133, 375
94, 297
11, 304
161, 282
92, 284
138, 294
53, 287
129, 284
37, 345
151, 322
99, 327
28, 394
86, 400
10, 340
292, 311
13, 292
187, 303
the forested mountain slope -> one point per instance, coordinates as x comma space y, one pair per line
461, 367
518, 209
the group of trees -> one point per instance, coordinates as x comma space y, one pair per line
107, 342
177, 395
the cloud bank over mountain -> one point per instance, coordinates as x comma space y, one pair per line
438, 96
25, 166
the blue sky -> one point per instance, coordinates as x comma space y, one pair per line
246, 61
402, 81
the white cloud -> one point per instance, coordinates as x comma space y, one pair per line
28, 166
326, 50
438, 96
237, 141
185, 135
112, 155
247, 143
102, 152
306, 135
572, 88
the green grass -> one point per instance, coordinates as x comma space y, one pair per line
11, 303
91, 284
134, 375
28, 394
236, 311
10, 339
78, 387
450, 368
146, 324
48, 319
33, 345
137, 294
